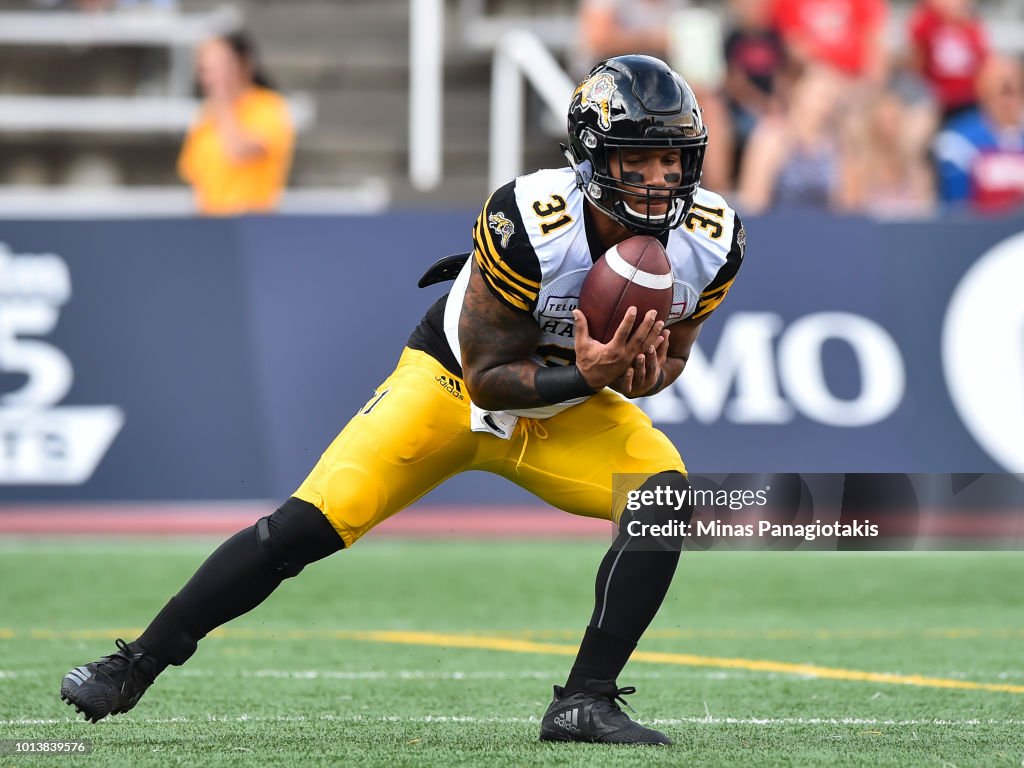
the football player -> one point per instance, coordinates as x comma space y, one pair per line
502, 375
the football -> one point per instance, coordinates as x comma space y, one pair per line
636, 272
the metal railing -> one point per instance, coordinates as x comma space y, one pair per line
426, 92
520, 58
371, 196
136, 28
118, 114
178, 33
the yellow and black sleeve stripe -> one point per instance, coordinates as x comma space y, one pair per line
719, 287
503, 253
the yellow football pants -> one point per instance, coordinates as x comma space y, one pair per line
414, 434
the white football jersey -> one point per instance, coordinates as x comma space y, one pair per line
532, 247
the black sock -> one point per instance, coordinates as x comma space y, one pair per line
630, 588
170, 637
631, 585
237, 577
602, 656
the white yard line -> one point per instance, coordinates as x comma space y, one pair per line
765, 721
486, 674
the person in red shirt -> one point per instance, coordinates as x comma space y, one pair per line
843, 34
949, 47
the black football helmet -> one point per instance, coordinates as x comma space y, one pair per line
635, 102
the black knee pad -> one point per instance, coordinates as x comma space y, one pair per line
662, 513
296, 535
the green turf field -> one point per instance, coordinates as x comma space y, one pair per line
429, 653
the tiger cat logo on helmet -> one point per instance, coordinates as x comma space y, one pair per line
596, 94
501, 226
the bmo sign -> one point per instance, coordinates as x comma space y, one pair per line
136, 360
935, 372
764, 372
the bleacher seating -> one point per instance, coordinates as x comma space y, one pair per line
134, 68
103, 99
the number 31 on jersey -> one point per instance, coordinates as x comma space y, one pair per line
547, 210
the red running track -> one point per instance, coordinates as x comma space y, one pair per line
223, 518
427, 521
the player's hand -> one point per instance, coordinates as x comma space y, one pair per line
643, 375
605, 364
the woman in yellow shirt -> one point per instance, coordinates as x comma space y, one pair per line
238, 153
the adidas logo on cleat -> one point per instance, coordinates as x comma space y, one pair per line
78, 675
569, 720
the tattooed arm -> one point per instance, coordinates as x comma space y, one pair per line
497, 341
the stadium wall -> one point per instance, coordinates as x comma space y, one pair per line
215, 359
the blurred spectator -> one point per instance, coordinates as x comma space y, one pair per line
846, 35
615, 27
893, 177
981, 154
799, 157
949, 46
237, 156
755, 60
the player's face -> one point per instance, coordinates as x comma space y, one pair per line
660, 169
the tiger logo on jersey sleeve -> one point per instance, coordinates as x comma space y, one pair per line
501, 227
504, 254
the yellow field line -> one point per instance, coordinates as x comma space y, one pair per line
683, 659
959, 633
515, 645
573, 635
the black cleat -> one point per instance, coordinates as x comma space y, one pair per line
110, 686
594, 716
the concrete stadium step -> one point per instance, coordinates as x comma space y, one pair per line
331, 26
351, 57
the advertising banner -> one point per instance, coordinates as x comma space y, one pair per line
216, 359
